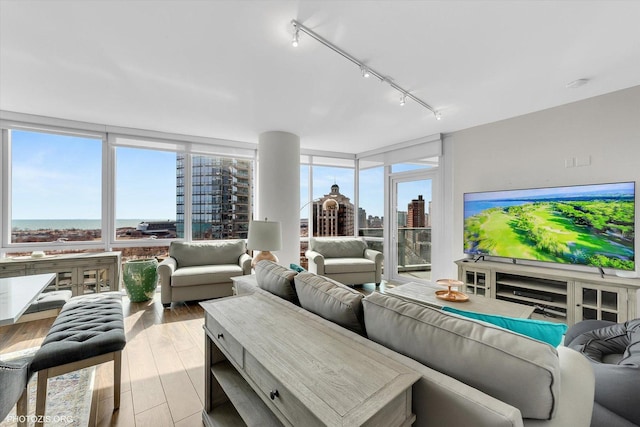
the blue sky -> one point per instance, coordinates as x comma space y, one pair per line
60, 177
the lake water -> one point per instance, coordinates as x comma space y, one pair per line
66, 224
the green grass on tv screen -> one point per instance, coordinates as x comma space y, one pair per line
598, 233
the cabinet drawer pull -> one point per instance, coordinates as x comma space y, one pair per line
273, 394
220, 336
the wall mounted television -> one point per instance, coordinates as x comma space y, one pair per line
590, 225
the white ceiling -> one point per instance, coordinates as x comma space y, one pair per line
226, 69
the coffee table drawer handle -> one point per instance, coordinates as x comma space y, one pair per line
220, 336
273, 394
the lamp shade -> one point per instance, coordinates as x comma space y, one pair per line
264, 236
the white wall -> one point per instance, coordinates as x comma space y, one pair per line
531, 151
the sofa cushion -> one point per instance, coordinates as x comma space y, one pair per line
189, 254
205, 275
339, 248
332, 300
348, 265
548, 332
515, 369
276, 279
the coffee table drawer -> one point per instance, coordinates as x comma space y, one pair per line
280, 396
224, 340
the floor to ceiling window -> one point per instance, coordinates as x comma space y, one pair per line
145, 194
411, 228
73, 190
371, 206
56, 187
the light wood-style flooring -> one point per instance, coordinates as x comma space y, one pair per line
162, 364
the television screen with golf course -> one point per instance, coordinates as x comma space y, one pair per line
589, 225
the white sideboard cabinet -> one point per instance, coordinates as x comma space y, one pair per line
83, 273
558, 295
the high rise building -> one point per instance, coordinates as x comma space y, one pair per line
415, 214
221, 203
333, 214
362, 218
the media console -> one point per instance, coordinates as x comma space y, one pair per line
558, 295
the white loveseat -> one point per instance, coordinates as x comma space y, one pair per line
345, 259
202, 270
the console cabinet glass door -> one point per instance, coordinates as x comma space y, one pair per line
600, 302
476, 282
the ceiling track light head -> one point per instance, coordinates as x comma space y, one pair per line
437, 115
365, 72
296, 36
403, 100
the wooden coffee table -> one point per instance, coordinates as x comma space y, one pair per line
426, 294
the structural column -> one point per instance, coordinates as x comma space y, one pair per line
279, 189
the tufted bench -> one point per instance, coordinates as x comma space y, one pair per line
88, 331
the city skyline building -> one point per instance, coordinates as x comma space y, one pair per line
221, 202
333, 214
416, 214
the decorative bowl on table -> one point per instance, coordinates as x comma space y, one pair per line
449, 294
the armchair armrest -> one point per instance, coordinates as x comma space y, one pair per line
165, 270
316, 262
377, 257
245, 263
374, 255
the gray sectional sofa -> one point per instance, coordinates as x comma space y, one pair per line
472, 373
201, 270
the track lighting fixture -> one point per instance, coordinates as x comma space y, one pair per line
296, 36
364, 70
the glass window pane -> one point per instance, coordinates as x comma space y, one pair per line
146, 197
371, 209
305, 208
222, 193
414, 229
333, 209
56, 187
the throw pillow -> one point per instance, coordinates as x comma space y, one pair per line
332, 300
296, 268
548, 332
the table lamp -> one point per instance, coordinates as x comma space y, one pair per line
264, 236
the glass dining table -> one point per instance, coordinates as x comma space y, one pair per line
17, 294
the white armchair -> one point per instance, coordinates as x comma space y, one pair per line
345, 259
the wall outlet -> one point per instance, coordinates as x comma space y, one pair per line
583, 161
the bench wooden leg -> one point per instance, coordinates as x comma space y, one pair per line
41, 396
117, 377
22, 407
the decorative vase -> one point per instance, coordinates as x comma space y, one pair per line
140, 278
